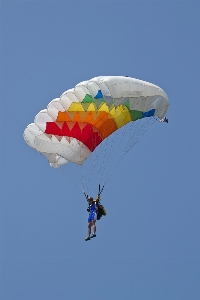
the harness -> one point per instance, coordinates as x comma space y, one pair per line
100, 210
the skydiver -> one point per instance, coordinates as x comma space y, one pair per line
96, 211
92, 209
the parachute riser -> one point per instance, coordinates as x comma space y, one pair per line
99, 193
100, 190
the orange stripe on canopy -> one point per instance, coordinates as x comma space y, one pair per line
101, 120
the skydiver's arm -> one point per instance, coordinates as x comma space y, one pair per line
98, 199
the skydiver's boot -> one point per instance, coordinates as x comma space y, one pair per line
93, 235
87, 238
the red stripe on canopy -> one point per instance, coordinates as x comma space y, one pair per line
87, 134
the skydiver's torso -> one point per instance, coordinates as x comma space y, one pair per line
92, 207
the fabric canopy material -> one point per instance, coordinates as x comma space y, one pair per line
73, 125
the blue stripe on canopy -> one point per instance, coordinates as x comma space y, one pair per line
99, 95
149, 113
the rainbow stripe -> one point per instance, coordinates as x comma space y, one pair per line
93, 120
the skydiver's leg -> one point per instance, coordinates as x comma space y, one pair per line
89, 228
94, 226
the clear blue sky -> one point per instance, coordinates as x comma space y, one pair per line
148, 245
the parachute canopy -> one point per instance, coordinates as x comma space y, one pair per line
73, 125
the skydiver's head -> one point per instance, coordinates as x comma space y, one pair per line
90, 199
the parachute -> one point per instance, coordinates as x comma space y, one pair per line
75, 125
